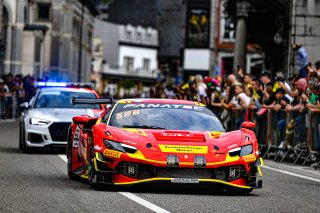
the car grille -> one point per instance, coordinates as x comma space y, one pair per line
184, 173
59, 131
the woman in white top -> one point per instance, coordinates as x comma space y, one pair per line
240, 100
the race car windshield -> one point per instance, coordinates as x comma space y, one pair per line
165, 116
63, 99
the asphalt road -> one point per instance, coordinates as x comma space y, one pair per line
38, 182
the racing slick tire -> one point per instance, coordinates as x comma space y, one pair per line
239, 191
71, 175
92, 173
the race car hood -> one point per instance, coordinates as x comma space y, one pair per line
62, 115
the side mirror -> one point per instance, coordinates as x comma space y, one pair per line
24, 105
80, 119
248, 125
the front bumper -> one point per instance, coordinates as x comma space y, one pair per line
246, 181
52, 135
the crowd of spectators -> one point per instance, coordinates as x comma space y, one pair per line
14, 90
242, 93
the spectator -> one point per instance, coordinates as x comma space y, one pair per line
201, 89
302, 85
169, 92
302, 59
280, 101
240, 100
247, 79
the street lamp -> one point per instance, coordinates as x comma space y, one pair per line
278, 38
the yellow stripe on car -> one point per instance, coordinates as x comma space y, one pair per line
169, 179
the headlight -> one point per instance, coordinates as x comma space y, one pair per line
120, 147
241, 151
39, 122
235, 151
246, 150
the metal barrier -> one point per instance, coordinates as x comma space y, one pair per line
237, 116
8, 106
274, 128
313, 137
282, 135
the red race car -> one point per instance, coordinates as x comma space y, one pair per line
149, 141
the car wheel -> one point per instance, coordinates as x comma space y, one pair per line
92, 175
23, 144
20, 137
92, 171
71, 175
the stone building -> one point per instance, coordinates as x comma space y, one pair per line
47, 38
122, 53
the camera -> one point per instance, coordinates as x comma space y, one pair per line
280, 79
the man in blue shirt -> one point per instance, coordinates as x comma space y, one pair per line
302, 59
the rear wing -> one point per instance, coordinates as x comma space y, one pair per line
76, 100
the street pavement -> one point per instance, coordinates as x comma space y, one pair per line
38, 182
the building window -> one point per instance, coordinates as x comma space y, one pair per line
146, 64
139, 38
128, 63
227, 32
198, 27
149, 38
44, 10
128, 36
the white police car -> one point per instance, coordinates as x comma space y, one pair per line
47, 116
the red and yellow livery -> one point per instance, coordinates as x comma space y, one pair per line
148, 141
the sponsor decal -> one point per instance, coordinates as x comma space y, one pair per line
130, 142
176, 134
119, 115
214, 134
232, 146
184, 180
183, 149
250, 157
174, 106
89, 140
112, 153
126, 114
76, 137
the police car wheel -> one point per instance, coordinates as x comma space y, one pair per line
24, 147
20, 137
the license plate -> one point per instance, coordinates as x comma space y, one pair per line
184, 180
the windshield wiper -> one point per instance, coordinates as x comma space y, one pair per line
143, 127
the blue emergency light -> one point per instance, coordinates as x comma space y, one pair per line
63, 84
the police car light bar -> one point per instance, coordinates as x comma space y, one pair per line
76, 100
64, 84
